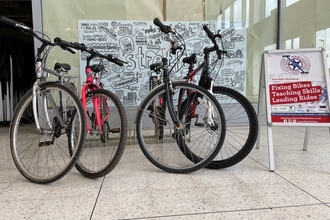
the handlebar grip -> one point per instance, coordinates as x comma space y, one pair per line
8, 21
209, 33
79, 46
61, 42
115, 60
118, 62
70, 50
65, 45
163, 28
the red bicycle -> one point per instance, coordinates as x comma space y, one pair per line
106, 120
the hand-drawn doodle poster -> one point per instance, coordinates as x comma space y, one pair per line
297, 88
140, 44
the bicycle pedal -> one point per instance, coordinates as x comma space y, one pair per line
200, 124
115, 130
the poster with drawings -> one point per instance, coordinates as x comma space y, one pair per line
140, 44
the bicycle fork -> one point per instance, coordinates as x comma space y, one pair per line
97, 104
209, 114
210, 108
41, 105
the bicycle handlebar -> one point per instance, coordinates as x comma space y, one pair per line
83, 47
167, 30
34, 33
212, 38
24, 27
115, 60
164, 28
65, 45
12, 22
209, 34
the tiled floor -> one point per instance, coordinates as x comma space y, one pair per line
298, 189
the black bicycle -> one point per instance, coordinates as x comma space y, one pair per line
241, 117
168, 146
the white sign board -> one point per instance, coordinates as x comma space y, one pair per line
295, 84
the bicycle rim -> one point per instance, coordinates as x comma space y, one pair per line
44, 156
241, 128
103, 150
172, 152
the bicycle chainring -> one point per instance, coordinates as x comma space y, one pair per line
57, 127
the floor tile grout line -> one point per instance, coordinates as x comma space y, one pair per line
304, 205
226, 211
249, 156
303, 190
97, 198
261, 164
290, 182
266, 208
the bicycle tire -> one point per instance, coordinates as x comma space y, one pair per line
168, 154
44, 157
241, 127
101, 153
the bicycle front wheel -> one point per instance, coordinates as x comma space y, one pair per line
43, 155
171, 147
104, 145
241, 127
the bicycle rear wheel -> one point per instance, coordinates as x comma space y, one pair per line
102, 151
172, 152
44, 156
241, 127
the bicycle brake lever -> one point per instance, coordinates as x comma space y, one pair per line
227, 54
220, 52
71, 50
173, 50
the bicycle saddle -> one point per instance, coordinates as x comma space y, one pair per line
63, 66
156, 66
191, 59
97, 68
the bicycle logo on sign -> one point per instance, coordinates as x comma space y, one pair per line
295, 64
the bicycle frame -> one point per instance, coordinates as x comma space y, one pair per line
190, 78
168, 86
92, 83
42, 73
208, 85
205, 81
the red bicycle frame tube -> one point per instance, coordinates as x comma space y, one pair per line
192, 73
90, 86
190, 79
